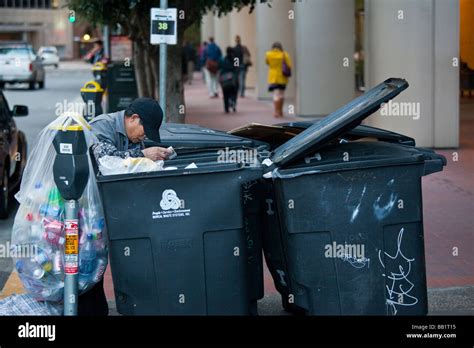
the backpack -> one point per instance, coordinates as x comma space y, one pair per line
228, 80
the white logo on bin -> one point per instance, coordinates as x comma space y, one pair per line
170, 200
172, 206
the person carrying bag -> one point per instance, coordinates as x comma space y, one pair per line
228, 79
280, 70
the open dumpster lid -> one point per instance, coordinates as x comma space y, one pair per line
280, 133
188, 136
339, 122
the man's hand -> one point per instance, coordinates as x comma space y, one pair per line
156, 153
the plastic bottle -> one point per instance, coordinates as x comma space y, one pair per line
55, 205
34, 200
57, 262
36, 232
44, 260
37, 196
99, 270
30, 269
98, 236
87, 257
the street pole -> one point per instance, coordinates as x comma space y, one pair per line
71, 175
71, 278
163, 65
105, 34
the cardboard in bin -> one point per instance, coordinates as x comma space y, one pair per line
278, 134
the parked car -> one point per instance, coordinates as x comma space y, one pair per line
18, 63
13, 152
49, 56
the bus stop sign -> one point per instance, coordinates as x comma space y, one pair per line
164, 28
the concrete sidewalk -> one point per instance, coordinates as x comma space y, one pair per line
207, 112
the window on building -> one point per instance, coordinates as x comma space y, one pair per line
38, 4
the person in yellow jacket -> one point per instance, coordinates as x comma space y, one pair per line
279, 72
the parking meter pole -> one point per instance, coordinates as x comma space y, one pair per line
163, 64
92, 93
71, 174
71, 292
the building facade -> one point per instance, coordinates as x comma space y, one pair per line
40, 22
418, 40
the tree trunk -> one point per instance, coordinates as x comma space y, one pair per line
151, 77
176, 106
140, 70
153, 59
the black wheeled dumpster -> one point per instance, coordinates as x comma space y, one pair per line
182, 242
344, 222
200, 144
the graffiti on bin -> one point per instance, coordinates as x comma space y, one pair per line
269, 203
282, 277
382, 211
356, 262
247, 193
398, 293
355, 212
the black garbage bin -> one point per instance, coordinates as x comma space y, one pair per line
344, 224
121, 85
183, 242
201, 144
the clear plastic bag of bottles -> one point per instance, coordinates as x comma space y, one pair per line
38, 236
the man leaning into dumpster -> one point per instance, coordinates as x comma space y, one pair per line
122, 134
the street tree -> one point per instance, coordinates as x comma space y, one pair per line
134, 18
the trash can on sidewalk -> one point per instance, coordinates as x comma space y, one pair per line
180, 240
121, 86
99, 70
344, 222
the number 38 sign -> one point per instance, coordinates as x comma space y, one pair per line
163, 26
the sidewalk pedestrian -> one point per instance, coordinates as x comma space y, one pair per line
96, 54
279, 72
212, 56
244, 58
202, 60
228, 78
190, 57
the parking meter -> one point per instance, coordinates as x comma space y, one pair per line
92, 93
99, 70
71, 174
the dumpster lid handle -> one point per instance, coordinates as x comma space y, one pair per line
339, 122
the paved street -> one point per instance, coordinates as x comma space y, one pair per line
62, 85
